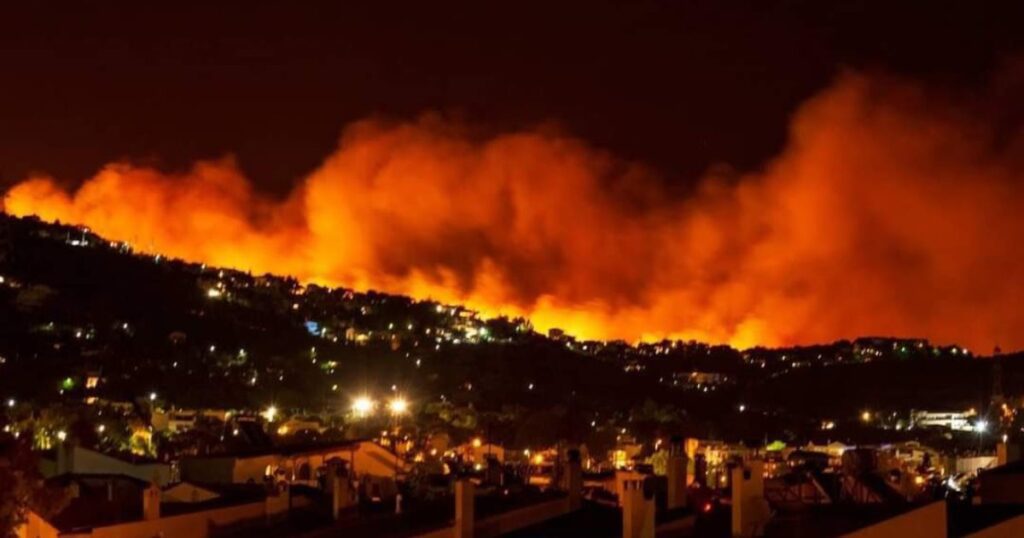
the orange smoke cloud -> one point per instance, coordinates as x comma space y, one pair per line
882, 216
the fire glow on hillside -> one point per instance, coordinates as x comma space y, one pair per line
884, 214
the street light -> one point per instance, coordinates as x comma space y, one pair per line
362, 406
398, 406
270, 413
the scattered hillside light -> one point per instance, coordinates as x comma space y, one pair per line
213, 348
62, 435
152, 396
409, 326
477, 442
10, 402
362, 406
270, 413
866, 416
398, 406
394, 388
526, 452
101, 428
742, 408
981, 426
334, 388
213, 293
1005, 437
418, 361
593, 423
529, 387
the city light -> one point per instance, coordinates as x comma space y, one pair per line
62, 435
270, 413
398, 406
362, 406
980, 426
742, 408
152, 396
477, 442
866, 416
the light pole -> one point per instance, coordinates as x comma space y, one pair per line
398, 407
980, 427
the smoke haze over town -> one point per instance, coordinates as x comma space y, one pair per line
890, 210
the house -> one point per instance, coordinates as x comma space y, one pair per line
115, 506
477, 452
73, 459
292, 464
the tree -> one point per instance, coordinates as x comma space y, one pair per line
22, 487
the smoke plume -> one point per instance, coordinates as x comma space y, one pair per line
888, 212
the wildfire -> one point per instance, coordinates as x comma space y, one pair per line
883, 215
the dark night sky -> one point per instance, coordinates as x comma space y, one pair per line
680, 85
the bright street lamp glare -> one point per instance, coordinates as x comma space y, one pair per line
362, 405
398, 406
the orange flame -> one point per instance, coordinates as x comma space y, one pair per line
881, 216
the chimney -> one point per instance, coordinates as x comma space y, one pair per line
700, 470
750, 511
341, 490
1007, 453
277, 503
464, 507
677, 474
574, 479
637, 509
151, 502
65, 458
